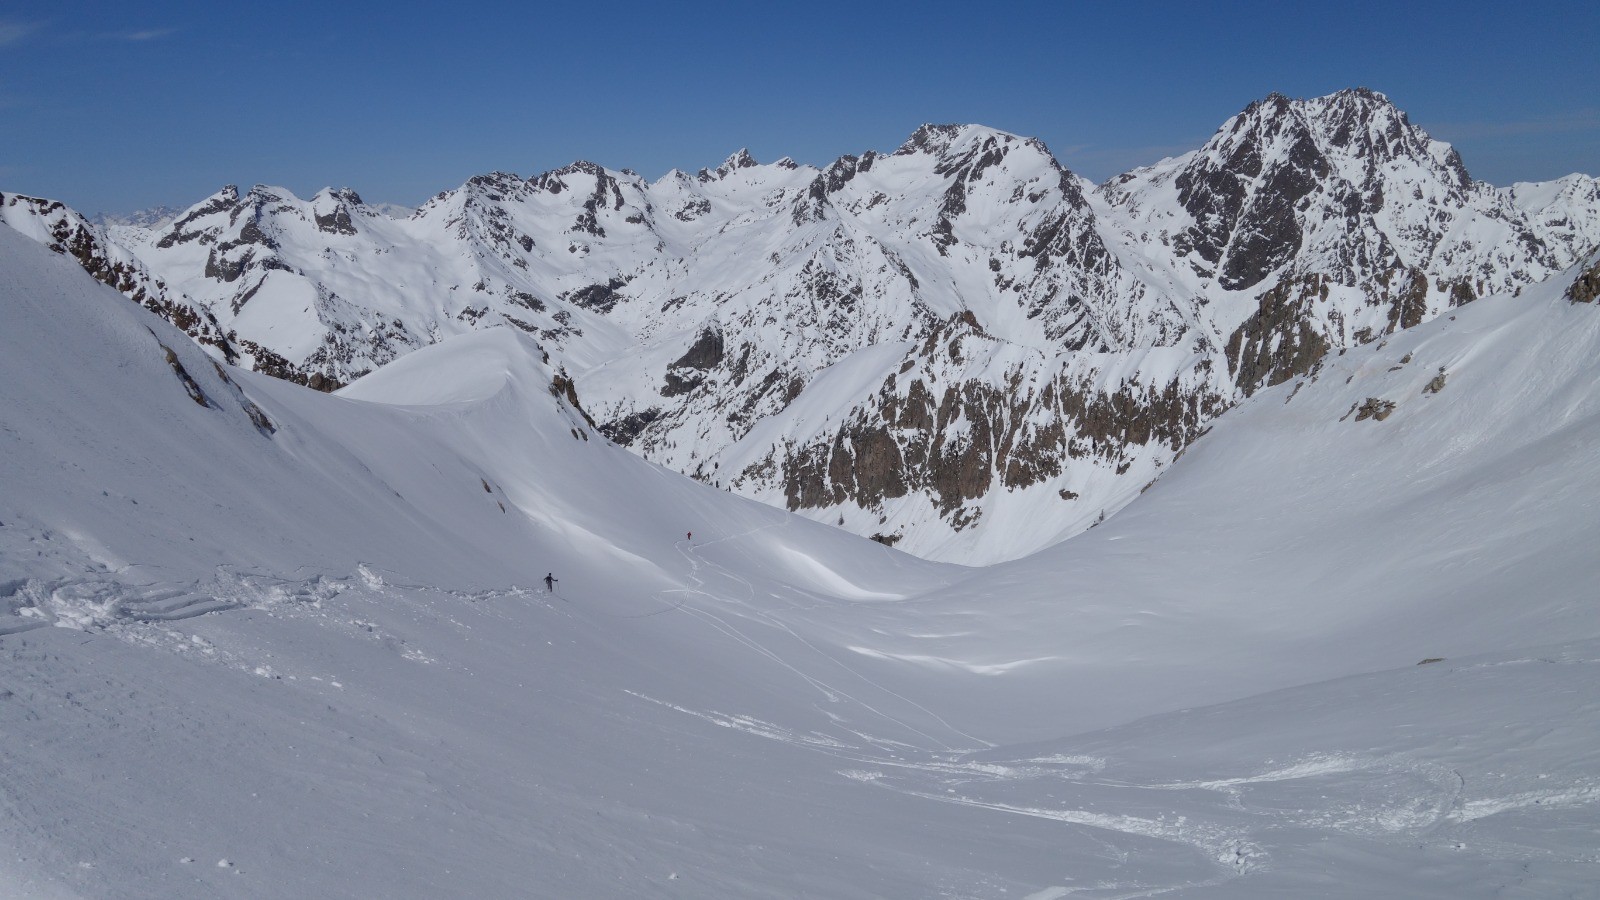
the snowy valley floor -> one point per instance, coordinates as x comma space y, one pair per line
357, 737
316, 658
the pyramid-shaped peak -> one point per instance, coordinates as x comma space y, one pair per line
740, 159
180, 229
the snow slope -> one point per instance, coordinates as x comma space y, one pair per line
305, 651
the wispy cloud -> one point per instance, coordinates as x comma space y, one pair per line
1566, 123
141, 35
12, 32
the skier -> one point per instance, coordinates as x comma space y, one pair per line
550, 582
689, 536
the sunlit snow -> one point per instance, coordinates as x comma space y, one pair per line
317, 657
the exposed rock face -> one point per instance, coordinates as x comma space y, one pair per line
970, 439
1279, 340
1586, 287
182, 230
705, 353
331, 211
1243, 194
922, 342
184, 378
561, 386
1343, 222
599, 297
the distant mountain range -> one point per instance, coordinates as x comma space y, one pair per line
958, 347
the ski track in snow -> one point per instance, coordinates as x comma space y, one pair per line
937, 762
1584, 793
1393, 797
1380, 797
144, 613
747, 607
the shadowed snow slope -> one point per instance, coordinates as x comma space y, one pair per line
302, 645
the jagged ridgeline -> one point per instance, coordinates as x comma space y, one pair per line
959, 347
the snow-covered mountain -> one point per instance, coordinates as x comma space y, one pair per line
261, 641
1321, 224
153, 217
958, 347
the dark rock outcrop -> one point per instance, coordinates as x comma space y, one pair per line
1586, 287
1278, 341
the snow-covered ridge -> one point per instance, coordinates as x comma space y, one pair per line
65, 231
958, 346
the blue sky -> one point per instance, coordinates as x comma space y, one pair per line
119, 106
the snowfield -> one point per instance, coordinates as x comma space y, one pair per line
258, 641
